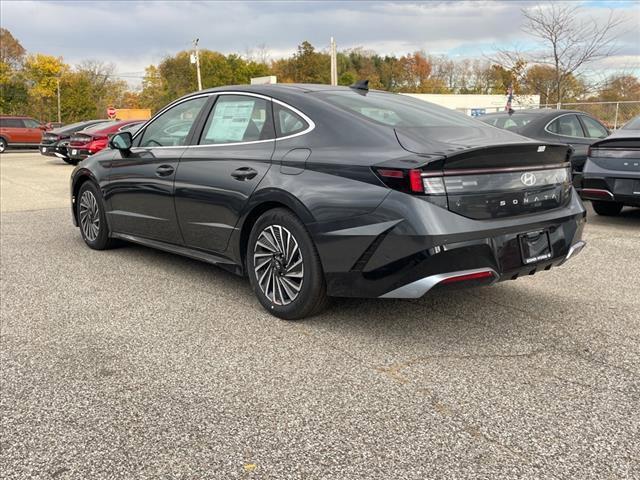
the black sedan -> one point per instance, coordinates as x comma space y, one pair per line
54, 143
316, 191
577, 129
612, 172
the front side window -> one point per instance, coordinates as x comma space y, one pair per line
172, 128
238, 119
566, 125
594, 129
30, 123
288, 122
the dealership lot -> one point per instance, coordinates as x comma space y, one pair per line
133, 363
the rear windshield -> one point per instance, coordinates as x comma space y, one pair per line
509, 122
99, 126
396, 110
633, 124
74, 127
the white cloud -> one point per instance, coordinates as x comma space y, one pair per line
134, 34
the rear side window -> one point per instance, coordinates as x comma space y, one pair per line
288, 122
11, 123
238, 119
594, 129
566, 125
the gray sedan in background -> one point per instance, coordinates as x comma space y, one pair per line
577, 129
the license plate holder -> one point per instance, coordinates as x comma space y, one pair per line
535, 246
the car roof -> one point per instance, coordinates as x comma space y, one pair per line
285, 89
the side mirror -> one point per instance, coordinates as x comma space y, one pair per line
121, 141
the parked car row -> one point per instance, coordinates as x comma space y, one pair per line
70, 143
605, 166
76, 142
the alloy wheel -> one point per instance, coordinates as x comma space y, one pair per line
278, 264
89, 216
3, 146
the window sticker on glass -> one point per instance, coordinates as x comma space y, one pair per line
230, 121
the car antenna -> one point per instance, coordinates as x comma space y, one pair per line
360, 85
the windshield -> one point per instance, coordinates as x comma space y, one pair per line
633, 124
396, 110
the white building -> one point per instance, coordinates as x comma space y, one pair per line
477, 105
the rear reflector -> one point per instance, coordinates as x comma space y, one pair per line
596, 193
469, 276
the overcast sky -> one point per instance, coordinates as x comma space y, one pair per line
133, 34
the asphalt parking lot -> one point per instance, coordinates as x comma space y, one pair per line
135, 364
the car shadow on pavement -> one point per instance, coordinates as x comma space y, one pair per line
629, 217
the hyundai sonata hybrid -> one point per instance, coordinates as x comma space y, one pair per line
315, 191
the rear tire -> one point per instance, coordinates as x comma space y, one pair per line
284, 267
92, 219
607, 209
3, 145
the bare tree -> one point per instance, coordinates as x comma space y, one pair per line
570, 40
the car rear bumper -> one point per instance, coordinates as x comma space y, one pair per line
606, 185
79, 154
53, 150
407, 257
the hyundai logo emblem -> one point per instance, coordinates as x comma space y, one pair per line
528, 178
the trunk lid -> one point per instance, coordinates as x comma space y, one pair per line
484, 172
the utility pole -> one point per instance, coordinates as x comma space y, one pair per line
58, 85
196, 56
334, 63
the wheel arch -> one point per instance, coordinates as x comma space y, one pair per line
79, 179
261, 202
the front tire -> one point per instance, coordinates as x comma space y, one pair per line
284, 267
3, 145
607, 209
92, 219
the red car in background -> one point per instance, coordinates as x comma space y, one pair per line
93, 139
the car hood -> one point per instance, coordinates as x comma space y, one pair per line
452, 140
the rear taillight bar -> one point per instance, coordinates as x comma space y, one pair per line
475, 180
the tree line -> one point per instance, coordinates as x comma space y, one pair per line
29, 82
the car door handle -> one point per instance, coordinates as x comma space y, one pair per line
244, 173
164, 170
